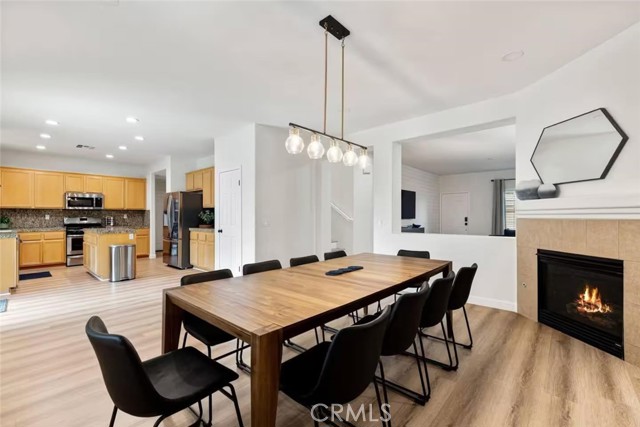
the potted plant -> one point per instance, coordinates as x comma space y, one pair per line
207, 218
4, 221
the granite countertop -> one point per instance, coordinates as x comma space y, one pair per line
110, 230
8, 234
39, 229
206, 230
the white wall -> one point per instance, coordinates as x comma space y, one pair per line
342, 179
237, 150
427, 188
607, 76
362, 210
480, 189
207, 161
285, 207
53, 162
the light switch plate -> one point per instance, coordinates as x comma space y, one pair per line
47, 217
125, 216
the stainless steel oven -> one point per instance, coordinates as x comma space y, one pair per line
84, 201
75, 237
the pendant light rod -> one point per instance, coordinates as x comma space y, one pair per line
296, 126
326, 62
342, 109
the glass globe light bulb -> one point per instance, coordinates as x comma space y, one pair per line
350, 158
363, 160
315, 150
334, 153
294, 143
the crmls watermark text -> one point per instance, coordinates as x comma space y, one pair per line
321, 413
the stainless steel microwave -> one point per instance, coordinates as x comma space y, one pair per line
84, 200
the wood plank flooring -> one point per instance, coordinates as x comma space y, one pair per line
519, 373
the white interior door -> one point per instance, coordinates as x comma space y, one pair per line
229, 213
454, 213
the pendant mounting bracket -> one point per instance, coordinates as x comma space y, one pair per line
334, 27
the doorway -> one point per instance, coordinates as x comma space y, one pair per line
229, 221
454, 213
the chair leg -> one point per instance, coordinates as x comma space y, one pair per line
383, 419
113, 417
450, 366
315, 331
384, 382
184, 341
210, 410
239, 360
234, 397
425, 394
466, 319
293, 346
159, 420
209, 351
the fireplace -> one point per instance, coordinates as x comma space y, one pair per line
582, 297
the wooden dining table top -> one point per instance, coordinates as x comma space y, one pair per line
291, 299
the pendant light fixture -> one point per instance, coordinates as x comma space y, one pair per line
295, 144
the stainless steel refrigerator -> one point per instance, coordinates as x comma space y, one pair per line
181, 211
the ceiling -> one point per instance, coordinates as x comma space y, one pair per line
192, 71
486, 150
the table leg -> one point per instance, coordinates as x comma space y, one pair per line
266, 356
171, 324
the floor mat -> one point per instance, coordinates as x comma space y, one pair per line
29, 276
4, 303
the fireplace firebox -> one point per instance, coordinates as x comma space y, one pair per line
582, 297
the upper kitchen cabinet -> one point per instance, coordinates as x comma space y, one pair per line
135, 194
17, 188
202, 180
93, 184
73, 183
49, 190
113, 190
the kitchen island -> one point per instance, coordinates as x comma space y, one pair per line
96, 248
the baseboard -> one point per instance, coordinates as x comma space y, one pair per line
493, 303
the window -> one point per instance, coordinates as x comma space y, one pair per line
509, 208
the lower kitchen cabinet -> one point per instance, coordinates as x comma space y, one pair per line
142, 242
38, 249
202, 250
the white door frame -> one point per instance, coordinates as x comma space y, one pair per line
468, 206
217, 201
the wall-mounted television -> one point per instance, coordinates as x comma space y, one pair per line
408, 204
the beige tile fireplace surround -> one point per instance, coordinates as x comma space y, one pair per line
617, 239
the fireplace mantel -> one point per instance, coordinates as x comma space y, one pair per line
615, 239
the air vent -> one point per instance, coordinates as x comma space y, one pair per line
87, 147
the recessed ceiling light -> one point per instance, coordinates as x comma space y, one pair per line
45, 136
122, 147
52, 122
131, 119
109, 156
139, 138
41, 147
513, 56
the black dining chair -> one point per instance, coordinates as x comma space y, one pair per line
158, 387
203, 331
458, 299
434, 311
309, 259
261, 267
410, 254
303, 260
334, 255
401, 334
339, 371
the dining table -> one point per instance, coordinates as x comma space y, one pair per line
265, 309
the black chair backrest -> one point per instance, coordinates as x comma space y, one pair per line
127, 383
437, 301
462, 287
294, 262
334, 255
207, 276
406, 314
260, 267
351, 361
414, 254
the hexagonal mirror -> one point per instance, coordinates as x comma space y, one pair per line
579, 149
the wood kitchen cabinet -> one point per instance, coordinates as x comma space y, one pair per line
113, 190
38, 249
93, 184
202, 250
135, 193
49, 190
73, 183
17, 188
203, 180
142, 242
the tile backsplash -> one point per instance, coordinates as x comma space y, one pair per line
35, 218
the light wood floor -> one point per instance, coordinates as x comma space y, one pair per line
519, 373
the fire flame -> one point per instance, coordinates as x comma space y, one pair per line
590, 301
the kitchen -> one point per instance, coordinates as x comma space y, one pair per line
51, 220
